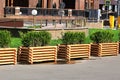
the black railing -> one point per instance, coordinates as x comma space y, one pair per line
89, 14
42, 11
9, 10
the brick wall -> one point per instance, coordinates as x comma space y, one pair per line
2, 5
57, 33
33, 3
97, 25
96, 4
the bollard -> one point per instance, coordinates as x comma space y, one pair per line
66, 23
46, 22
40, 23
118, 21
60, 21
53, 22
111, 21
102, 23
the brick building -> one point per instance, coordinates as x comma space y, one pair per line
69, 4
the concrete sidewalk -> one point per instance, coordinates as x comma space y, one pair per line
104, 68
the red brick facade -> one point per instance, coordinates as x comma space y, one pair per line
2, 5
33, 3
79, 4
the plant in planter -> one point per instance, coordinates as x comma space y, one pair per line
72, 46
102, 44
35, 47
119, 41
7, 55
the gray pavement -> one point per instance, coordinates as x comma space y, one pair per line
104, 68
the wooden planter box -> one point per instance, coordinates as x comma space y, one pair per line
105, 49
38, 54
8, 56
69, 52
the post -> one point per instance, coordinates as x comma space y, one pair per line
34, 13
33, 21
8, 3
118, 7
107, 3
107, 12
118, 13
118, 21
111, 21
11, 3
46, 22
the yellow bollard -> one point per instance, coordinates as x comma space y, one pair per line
118, 21
111, 21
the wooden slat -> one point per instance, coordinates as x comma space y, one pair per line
7, 52
43, 57
81, 52
1, 63
44, 60
9, 60
43, 50
108, 54
80, 56
46, 52
8, 49
6, 55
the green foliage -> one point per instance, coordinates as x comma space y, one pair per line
15, 42
55, 42
5, 38
73, 38
119, 35
103, 36
34, 39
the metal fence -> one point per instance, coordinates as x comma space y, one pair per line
42, 11
89, 14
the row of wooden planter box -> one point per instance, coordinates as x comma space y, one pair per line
52, 53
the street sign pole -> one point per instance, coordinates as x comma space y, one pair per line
118, 7
107, 3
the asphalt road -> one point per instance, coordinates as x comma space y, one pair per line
104, 68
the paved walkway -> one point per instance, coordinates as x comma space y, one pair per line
104, 68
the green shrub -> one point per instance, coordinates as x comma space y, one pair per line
119, 35
34, 39
102, 37
73, 38
5, 39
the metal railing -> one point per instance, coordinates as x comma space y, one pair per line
42, 11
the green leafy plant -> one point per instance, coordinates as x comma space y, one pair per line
73, 37
102, 37
5, 38
34, 39
119, 35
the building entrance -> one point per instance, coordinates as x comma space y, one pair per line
69, 4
